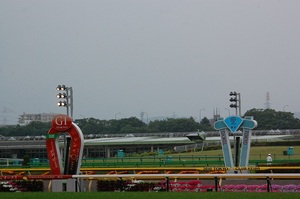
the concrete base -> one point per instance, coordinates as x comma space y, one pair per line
68, 185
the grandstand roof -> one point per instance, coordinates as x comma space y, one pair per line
170, 140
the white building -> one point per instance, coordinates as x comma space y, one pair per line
25, 118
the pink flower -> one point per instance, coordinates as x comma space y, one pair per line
195, 182
252, 187
276, 187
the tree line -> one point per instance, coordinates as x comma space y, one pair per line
267, 119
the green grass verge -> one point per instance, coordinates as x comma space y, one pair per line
149, 195
256, 152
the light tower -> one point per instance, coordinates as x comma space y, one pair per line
268, 104
67, 95
235, 100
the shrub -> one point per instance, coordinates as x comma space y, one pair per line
128, 185
22, 186
26, 160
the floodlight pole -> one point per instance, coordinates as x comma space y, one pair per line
67, 99
69, 108
239, 100
71, 101
200, 117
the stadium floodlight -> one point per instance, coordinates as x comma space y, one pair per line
235, 100
67, 94
62, 103
61, 95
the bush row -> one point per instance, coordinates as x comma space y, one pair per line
22, 186
129, 185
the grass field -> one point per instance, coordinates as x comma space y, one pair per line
199, 158
148, 195
256, 152
258, 155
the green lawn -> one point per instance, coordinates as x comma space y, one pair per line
148, 195
192, 159
256, 152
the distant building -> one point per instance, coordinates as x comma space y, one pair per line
216, 115
25, 118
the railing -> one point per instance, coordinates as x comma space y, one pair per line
163, 175
167, 177
161, 134
153, 161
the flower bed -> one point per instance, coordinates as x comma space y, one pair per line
133, 185
188, 186
128, 185
22, 186
260, 188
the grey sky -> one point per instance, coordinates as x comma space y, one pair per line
163, 57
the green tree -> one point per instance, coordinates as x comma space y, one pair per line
125, 125
271, 119
174, 125
26, 160
158, 126
91, 125
266, 119
205, 125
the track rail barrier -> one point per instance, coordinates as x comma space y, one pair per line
216, 177
179, 173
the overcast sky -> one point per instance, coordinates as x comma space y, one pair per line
163, 57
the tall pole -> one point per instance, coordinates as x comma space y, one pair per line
240, 106
68, 96
200, 117
116, 115
147, 117
71, 101
67, 99
236, 104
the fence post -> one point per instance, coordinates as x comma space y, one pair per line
268, 184
121, 184
167, 184
216, 184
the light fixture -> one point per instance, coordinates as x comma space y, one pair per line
235, 102
62, 103
67, 94
61, 95
61, 88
